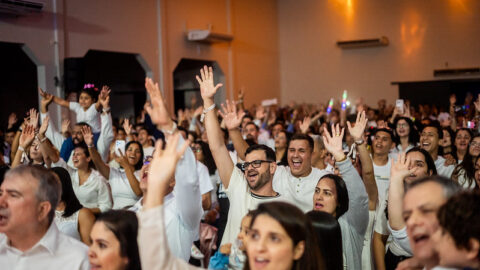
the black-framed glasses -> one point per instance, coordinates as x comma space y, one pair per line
196, 149
255, 164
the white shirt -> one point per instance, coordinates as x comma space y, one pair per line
241, 201
299, 190
203, 178
54, 251
382, 178
443, 170
67, 225
122, 192
93, 193
91, 116
183, 207
148, 151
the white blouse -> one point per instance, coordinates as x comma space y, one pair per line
68, 225
122, 193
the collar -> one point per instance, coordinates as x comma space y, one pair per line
261, 197
49, 241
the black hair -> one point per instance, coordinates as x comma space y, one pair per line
139, 164
82, 124
284, 159
269, 153
342, 194
92, 91
207, 157
413, 136
441, 149
84, 147
329, 236
386, 130
305, 137
252, 123
124, 225
435, 125
72, 204
428, 159
298, 227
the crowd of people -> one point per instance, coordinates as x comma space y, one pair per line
302, 186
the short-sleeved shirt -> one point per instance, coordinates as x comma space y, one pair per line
382, 178
91, 116
241, 201
122, 193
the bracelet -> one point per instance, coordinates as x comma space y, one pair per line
205, 111
343, 159
107, 110
171, 131
359, 142
91, 146
41, 140
21, 148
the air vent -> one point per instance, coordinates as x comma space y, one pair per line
456, 71
19, 7
363, 43
207, 36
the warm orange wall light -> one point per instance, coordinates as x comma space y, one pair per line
459, 6
344, 7
412, 32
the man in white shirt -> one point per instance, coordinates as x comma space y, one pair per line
429, 138
145, 141
28, 198
245, 189
382, 144
182, 204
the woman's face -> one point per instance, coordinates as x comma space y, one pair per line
80, 159
244, 228
85, 100
104, 252
447, 140
34, 151
197, 150
281, 141
462, 139
475, 147
133, 154
270, 247
403, 129
477, 172
325, 196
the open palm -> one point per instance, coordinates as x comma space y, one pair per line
359, 128
230, 116
207, 87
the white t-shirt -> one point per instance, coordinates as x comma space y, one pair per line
91, 116
382, 178
299, 190
204, 178
148, 151
241, 201
443, 170
367, 243
122, 193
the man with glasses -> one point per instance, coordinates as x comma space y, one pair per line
246, 187
429, 139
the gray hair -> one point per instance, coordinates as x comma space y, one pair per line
449, 186
49, 186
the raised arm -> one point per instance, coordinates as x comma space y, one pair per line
232, 121
215, 139
60, 101
102, 168
398, 172
103, 94
46, 146
106, 132
357, 214
51, 133
368, 176
26, 139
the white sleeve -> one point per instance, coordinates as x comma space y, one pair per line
187, 188
204, 178
106, 136
61, 163
401, 238
104, 196
74, 106
52, 134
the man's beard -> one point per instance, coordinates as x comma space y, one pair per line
263, 179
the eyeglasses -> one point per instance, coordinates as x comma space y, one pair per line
402, 125
196, 149
475, 144
255, 164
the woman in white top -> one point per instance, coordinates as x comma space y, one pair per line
464, 172
124, 182
406, 135
70, 216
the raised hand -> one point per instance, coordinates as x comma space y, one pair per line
44, 127
358, 130
162, 166
104, 93
157, 109
477, 104
333, 143
46, 100
305, 124
33, 118
207, 87
122, 159
127, 127
399, 169
453, 99
87, 135
12, 119
65, 126
260, 112
105, 102
27, 136
198, 111
230, 116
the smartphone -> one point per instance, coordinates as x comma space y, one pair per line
119, 147
399, 104
470, 124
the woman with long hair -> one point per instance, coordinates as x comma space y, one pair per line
406, 136
464, 172
114, 241
461, 143
70, 216
280, 235
282, 139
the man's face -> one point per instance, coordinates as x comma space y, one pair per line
77, 136
382, 143
142, 136
258, 177
18, 203
9, 136
299, 158
429, 139
276, 129
419, 166
251, 131
420, 206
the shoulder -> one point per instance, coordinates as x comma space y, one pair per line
71, 246
85, 213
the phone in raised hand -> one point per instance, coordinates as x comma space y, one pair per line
119, 147
399, 104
